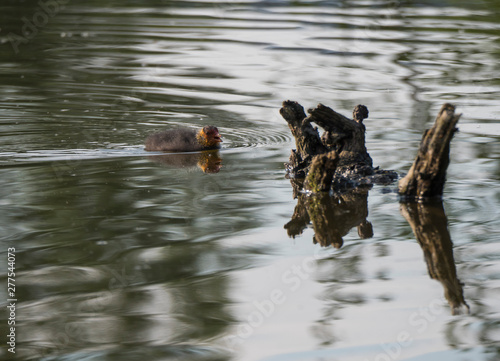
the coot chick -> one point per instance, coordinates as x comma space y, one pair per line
184, 140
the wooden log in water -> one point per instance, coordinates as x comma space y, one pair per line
427, 175
307, 140
344, 135
343, 140
320, 175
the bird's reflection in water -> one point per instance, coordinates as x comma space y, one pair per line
430, 226
207, 161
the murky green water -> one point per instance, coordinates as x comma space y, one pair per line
125, 255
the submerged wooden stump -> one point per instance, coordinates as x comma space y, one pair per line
345, 136
343, 139
320, 176
338, 157
427, 175
306, 136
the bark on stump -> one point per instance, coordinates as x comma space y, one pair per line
427, 175
340, 148
320, 175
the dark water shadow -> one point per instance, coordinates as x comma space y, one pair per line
430, 226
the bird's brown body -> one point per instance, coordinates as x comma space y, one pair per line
184, 140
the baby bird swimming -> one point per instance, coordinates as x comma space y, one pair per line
184, 140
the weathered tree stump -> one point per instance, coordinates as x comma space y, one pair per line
320, 176
427, 175
306, 136
345, 136
343, 139
339, 159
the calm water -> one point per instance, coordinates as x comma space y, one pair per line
126, 255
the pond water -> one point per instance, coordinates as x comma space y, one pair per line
121, 254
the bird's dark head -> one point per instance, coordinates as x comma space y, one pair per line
209, 136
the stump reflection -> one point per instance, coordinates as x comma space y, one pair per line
430, 226
332, 216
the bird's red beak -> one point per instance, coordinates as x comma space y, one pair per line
217, 138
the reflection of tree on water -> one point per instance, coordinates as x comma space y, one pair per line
207, 161
430, 226
332, 216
